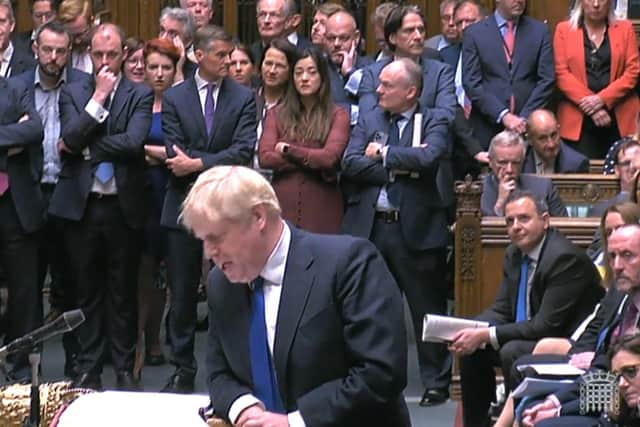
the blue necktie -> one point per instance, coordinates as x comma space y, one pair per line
521, 305
105, 169
265, 385
209, 108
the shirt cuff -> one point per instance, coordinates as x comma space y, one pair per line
240, 404
493, 339
501, 115
97, 111
295, 419
383, 153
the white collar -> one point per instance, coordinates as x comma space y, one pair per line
273, 271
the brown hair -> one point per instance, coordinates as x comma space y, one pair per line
163, 47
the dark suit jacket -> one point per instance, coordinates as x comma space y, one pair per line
231, 143
120, 140
489, 81
438, 91
21, 61
423, 200
22, 42
338, 94
568, 161
340, 344
257, 48
564, 289
25, 192
28, 78
539, 185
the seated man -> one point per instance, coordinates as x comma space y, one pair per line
548, 287
546, 153
317, 338
506, 154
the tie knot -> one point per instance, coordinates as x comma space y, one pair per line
509, 25
526, 259
210, 88
396, 117
258, 283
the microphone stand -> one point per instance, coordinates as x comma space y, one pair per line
34, 409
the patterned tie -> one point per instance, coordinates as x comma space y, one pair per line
509, 45
209, 108
521, 304
104, 172
265, 385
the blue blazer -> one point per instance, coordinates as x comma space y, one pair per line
423, 199
338, 94
119, 140
438, 90
340, 351
568, 161
489, 80
231, 141
25, 192
538, 185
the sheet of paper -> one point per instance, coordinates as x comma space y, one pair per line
554, 369
443, 328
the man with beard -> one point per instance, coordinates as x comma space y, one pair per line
52, 47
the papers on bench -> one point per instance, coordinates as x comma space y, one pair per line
538, 387
443, 328
553, 369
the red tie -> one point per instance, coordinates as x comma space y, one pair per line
4, 182
509, 44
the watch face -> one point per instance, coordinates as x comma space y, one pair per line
380, 137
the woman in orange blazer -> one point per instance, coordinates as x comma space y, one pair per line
596, 61
302, 142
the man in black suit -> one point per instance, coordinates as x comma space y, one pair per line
402, 185
12, 61
53, 48
102, 192
277, 18
305, 329
21, 213
404, 32
506, 155
507, 69
42, 11
208, 120
548, 288
546, 153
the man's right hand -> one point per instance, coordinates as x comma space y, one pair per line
504, 189
250, 413
514, 123
539, 412
105, 83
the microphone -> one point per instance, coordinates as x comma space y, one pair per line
66, 322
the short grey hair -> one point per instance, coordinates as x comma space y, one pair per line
208, 34
183, 3
413, 73
506, 138
289, 7
445, 3
181, 15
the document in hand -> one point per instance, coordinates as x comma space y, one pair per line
533, 387
443, 328
553, 369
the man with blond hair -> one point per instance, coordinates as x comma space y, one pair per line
76, 15
304, 329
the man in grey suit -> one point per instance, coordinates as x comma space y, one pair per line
506, 155
449, 32
305, 329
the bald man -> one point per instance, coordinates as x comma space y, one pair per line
546, 153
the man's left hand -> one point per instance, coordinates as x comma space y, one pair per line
468, 340
373, 151
267, 419
181, 164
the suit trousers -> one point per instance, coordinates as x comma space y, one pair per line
19, 257
478, 378
184, 268
106, 257
421, 277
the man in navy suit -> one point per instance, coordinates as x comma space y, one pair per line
403, 184
53, 48
506, 155
507, 69
42, 11
12, 61
208, 120
101, 192
404, 32
546, 153
277, 18
21, 214
305, 329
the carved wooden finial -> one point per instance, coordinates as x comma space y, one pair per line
468, 194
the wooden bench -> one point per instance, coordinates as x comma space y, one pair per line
580, 192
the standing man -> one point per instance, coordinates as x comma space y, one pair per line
548, 287
76, 15
178, 26
12, 61
52, 46
507, 69
449, 32
400, 204
201, 10
42, 11
306, 330
101, 191
208, 120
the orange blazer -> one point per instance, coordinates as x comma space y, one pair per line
571, 76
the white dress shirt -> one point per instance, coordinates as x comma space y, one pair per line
5, 68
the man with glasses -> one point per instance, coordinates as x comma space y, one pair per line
42, 11
53, 48
177, 25
506, 155
449, 33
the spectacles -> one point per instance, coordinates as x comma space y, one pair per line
275, 16
628, 372
625, 164
332, 38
